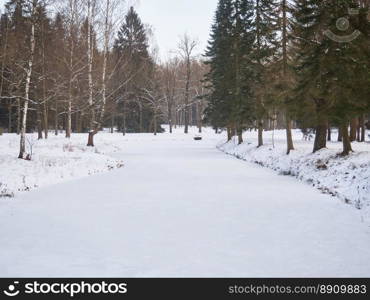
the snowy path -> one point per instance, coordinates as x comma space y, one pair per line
181, 208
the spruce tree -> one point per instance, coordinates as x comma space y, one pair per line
265, 30
285, 69
244, 66
308, 17
220, 77
329, 63
134, 66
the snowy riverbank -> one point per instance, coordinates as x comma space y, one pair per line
347, 178
57, 159
53, 161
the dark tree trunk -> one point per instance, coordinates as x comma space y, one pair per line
155, 123
176, 119
320, 138
260, 133
45, 121
56, 119
199, 116
77, 120
322, 125
240, 136
170, 118
290, 145
90, 141
124, 124
141, 129
9, 118
38, 121
340, 135
229, 134
363, 128
124, 119
329, 133
186, 120
353, 129
80, 122
347, 148
19, 116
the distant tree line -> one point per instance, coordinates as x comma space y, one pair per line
290, 64
77, 66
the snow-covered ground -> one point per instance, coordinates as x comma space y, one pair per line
53, 161
181, 208
347, 178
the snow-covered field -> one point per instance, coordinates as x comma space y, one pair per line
347, 178
177, 208
53, 161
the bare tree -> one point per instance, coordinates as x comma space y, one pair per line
199, 91
169, 76
154, 99
186, 48
73, 12
109, 24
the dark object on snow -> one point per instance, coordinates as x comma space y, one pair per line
367, 124
198, 138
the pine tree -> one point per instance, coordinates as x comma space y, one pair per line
233, 68
308, 17
134, 67
244, 66
326, 63
265, 30
285, 75
220, 76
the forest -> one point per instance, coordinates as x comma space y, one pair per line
83, 65
291, 64
77, 66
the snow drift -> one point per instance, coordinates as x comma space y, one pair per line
347, 178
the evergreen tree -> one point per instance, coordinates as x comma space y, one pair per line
134, 67
308, 17
282, 67
220, 76
326, 63
244, 66
265, 31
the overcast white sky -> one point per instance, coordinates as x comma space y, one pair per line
172, 18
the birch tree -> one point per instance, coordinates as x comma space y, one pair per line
109, 24
90, 53
31, 5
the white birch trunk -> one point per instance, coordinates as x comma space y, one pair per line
22, 149
70, 95
90, 63
105, 58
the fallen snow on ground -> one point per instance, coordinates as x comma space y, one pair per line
54, 160
181, 208
347, 178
